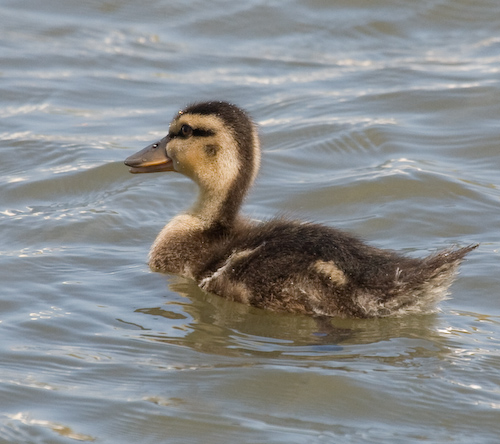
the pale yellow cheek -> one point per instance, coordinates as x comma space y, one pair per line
186, 158
192, 158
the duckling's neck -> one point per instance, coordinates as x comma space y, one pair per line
217, 207
185, 243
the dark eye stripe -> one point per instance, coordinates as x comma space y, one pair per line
198, 132
202, 132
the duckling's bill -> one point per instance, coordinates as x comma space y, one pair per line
152, 159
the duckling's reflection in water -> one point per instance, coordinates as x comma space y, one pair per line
211, 324
262, 325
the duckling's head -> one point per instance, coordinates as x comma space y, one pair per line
213, 143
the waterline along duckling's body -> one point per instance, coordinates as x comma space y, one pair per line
281, 265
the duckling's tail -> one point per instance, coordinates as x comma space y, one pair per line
420, 289
449, 257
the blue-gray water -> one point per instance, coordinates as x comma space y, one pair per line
380, 117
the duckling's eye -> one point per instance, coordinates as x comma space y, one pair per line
186, 131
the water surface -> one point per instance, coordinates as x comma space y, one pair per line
378, 117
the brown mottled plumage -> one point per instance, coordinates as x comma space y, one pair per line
281, 265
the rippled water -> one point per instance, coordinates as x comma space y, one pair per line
380, 117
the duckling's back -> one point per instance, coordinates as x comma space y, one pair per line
317, 270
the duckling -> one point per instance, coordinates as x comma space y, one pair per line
281, 265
